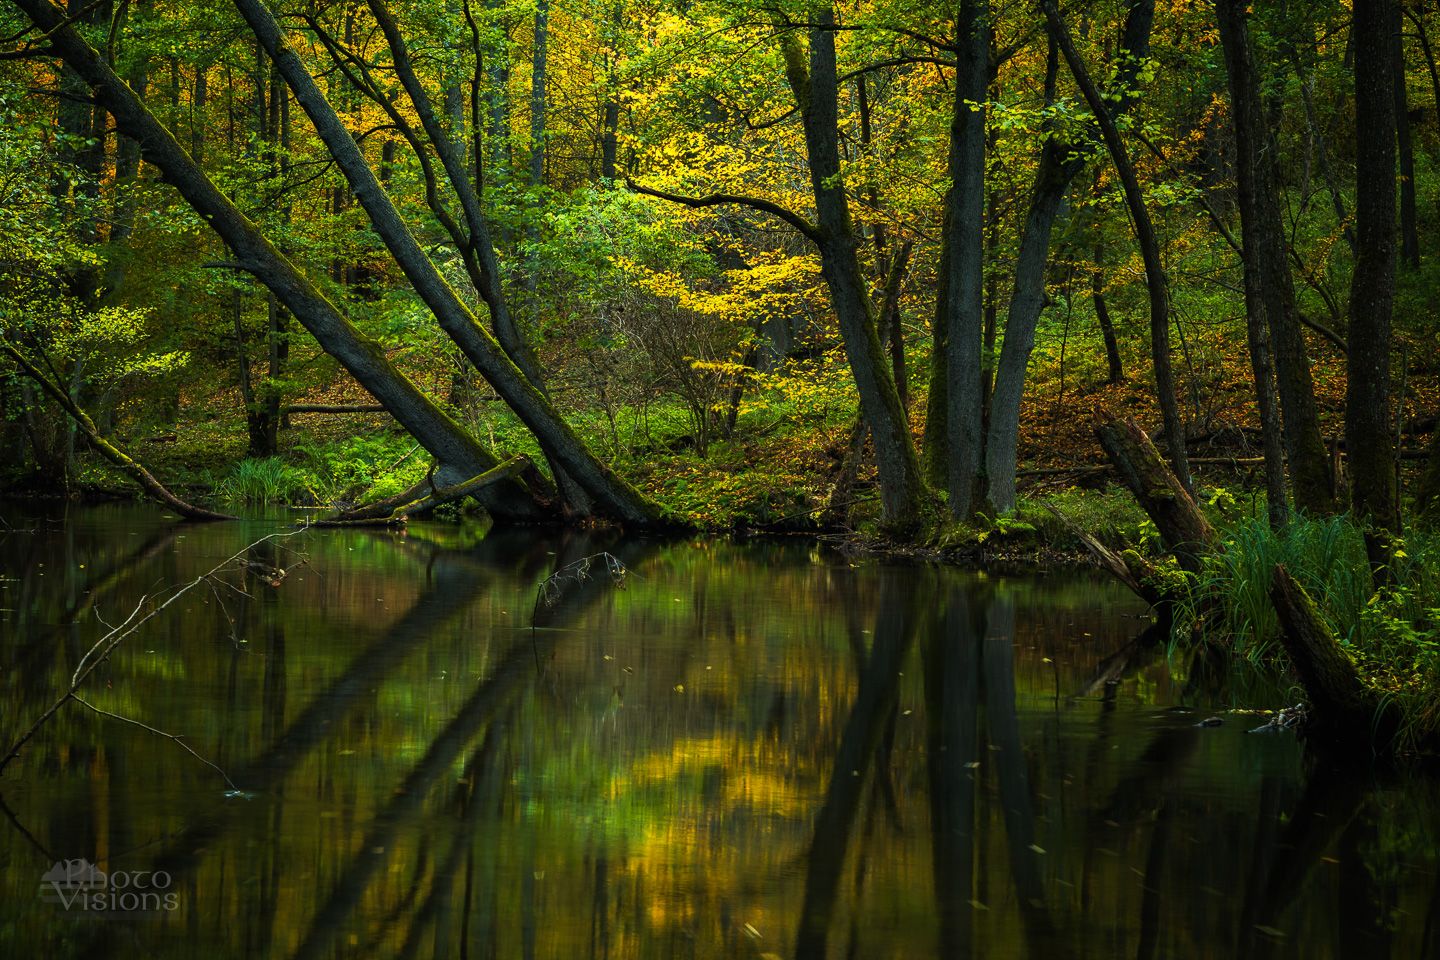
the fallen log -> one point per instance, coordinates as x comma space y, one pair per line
1343, 709
370, 514
1128, 567
1183, 528
107, 449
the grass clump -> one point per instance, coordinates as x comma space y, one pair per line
265, 481
1392, 631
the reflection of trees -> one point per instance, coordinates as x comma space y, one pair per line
454, 585
1009, 756
973, 640
39, 627
952, 695
874, 702
602, 810
408, 803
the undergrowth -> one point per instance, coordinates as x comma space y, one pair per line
1391, 632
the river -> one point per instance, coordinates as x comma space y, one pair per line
429, 744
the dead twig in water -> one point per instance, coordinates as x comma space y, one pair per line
159, 733
106, 645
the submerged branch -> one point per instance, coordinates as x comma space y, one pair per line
159, 733
107, 644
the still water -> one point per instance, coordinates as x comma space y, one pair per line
732, 751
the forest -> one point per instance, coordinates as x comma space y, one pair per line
1144, 281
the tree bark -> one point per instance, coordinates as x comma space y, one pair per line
458, 453
816, 90
567, 453
1183, 528
965, 282
1368, 437
1155, 280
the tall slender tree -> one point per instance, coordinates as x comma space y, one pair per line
1368, 429
1279, 358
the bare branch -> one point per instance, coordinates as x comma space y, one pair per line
810, 231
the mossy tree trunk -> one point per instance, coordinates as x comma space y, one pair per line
460, 456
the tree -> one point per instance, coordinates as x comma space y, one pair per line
1368, 427
569, 456
1276, 342
816, 89
1155, 281
1061, 160
962, 309
458, 454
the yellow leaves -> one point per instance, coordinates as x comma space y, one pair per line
766, 290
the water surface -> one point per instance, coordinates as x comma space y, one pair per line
734, 751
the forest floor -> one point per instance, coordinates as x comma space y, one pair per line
777, 472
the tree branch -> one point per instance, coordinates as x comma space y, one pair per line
810, 231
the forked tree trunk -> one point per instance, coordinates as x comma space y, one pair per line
816, 89
1276, 340
1060, 162
1260, 226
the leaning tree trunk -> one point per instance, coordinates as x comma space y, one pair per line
1342, 707
109, 450
1183, 528
458, 453
816, 89
613, 497
1155, 281
1369, 441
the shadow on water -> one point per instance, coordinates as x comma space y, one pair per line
738, 751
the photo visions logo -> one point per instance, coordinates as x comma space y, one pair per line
80, 885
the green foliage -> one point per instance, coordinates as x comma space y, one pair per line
363, 467
265, 482
1392, 633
